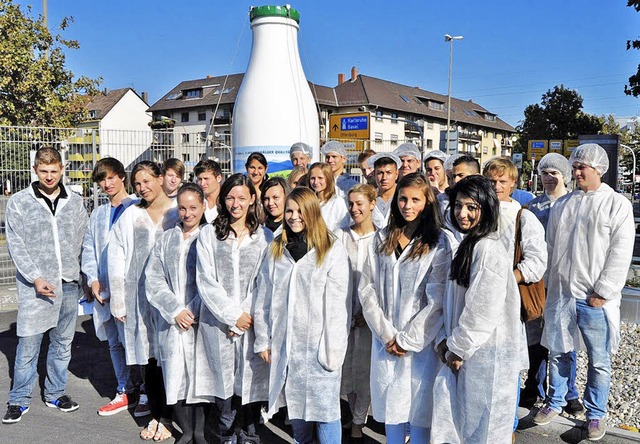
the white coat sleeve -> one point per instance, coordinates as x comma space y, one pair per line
534, 248
15, 235
89, 260
371, 309
159, 294
484, 303
262, 293
619, 254
336, 310
427, 324
212, 293
117, 268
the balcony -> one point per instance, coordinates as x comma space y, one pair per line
469, 135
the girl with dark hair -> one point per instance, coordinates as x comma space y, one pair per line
257, 167
274, 193
482, 342
333, 207
133, 236
401, 295
229, 253
170, 277
302, 314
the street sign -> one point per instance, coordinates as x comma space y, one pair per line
555, 146
517, 160
569, 145
537, 149
349, 126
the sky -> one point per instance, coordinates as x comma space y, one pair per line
513, 51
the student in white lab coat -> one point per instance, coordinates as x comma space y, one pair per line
274, 193
356, 368
333, 207
399, 303
302, 320
172, 176
132, 239
481, 342
229, 253
209, 176
111, 177
170, 277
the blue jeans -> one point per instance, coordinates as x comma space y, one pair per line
592, 323
58, 356
115, 337
328, 432
397, 433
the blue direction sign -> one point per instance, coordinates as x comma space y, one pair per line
354, 123
537, 144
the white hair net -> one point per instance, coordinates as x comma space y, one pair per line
591, 154
436, 154
557, 162
407, 149
448, 163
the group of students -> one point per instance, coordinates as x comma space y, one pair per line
224, 301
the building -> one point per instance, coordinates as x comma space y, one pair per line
200, 113
118, 126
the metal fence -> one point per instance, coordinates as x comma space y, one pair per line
82, 147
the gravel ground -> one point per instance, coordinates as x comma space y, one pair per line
624, 399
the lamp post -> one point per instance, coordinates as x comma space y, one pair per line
633, 172
450, 39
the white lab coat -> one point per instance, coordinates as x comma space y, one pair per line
226, 270
170, 283
302, 314
394, 294
335, 213
590, 237
357, 362
132, 238
381, 212
481, 325
94, 259
45, 246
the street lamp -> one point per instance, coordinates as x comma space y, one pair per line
450, 39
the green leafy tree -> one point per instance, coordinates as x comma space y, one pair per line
633, 88
35, 86
558, 116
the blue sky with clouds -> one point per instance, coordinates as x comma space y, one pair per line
512, 52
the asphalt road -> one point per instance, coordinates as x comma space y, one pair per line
92, 383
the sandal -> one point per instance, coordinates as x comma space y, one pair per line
149, 432
162, 433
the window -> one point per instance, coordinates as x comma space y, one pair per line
394, 118
203, 136
186, 157
394, 138
93, 114
185, 138
406, 100
202, 115
174, 96
485, 150
378, 137
379, 116
490, 117
429, 143
185, 117
193, 93
430, 125
223, 91
438, 106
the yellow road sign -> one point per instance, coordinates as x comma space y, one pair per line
350, 126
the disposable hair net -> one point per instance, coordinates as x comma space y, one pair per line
333, 146
407, 149
591, 154
557, 162
436, 154
448, 163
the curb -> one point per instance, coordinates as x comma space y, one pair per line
570, 423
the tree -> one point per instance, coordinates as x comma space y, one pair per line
633, 88
558, 116
35, 86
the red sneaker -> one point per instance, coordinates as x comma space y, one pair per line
117, 404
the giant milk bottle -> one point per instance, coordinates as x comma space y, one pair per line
274, 107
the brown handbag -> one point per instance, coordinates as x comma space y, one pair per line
533, 296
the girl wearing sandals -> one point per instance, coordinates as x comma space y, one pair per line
171, 290
356, 368
133, 236
334, 209
401, 301
302, 317
229, 252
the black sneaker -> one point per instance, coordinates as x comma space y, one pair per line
574, 407
63, 403
14, 414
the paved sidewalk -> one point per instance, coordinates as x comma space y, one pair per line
91, 384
